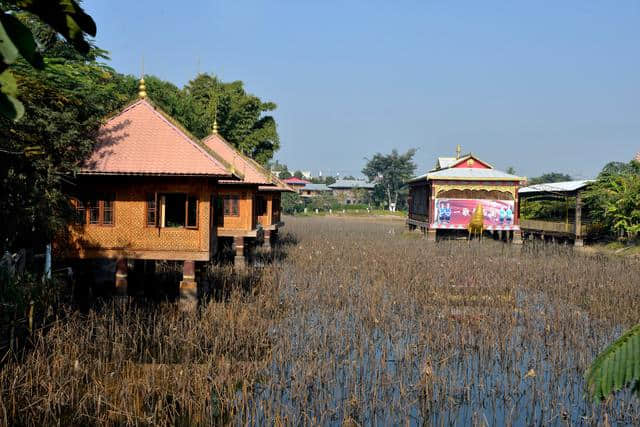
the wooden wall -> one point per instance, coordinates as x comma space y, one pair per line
130, 236
246, 221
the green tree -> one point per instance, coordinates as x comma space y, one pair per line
240, 115
292, 203
613, 200
64, 105
298, 174
323, 202
511, 170
550, 177
329, 180
390, 172
65, 17
285, 174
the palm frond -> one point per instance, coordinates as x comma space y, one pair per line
617, 367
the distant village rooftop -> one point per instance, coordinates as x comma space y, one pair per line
296, 181
316, 187
351, 183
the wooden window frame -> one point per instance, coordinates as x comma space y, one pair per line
230, 197
100, 202
158, 209
156, 222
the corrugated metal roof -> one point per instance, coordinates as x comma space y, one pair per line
445, 162
557, 187
315, 187
140, 140
351, 183
468, 173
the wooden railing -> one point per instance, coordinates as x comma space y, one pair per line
552, 226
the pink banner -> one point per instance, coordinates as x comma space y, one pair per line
457, 213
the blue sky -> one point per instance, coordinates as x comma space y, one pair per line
540, 86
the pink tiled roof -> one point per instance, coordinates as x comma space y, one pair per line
296, 181
246, 167
140, 140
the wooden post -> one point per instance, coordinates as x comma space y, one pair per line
188, 287
431, 234
266, 243
121, 276
239, 260
579, 238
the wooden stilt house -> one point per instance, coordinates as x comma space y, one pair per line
246, 210
145, 193
443, 200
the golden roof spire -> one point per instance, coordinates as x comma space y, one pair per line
215, 126
142, 89
458, 150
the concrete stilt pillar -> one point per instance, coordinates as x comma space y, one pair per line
517, 237
579, 242
239, 260
431, 235
188, 287
121, 276
266, 242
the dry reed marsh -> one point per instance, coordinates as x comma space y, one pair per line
354, 322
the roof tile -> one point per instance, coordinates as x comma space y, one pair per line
141, 140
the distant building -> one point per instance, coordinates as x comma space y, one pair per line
306, 174
312, 190
351, 191
296, 183
637, 158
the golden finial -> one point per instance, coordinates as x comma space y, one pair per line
458, 150
215, 126
142, 89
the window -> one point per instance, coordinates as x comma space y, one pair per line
94, 211
97, 211
192, 212
152, 210
177, 210
231, 206
261, 206
107, 212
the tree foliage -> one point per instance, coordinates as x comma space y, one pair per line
240, 115
65, 17
390, 172
613, 200
64, 105
617, 367
549, 177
